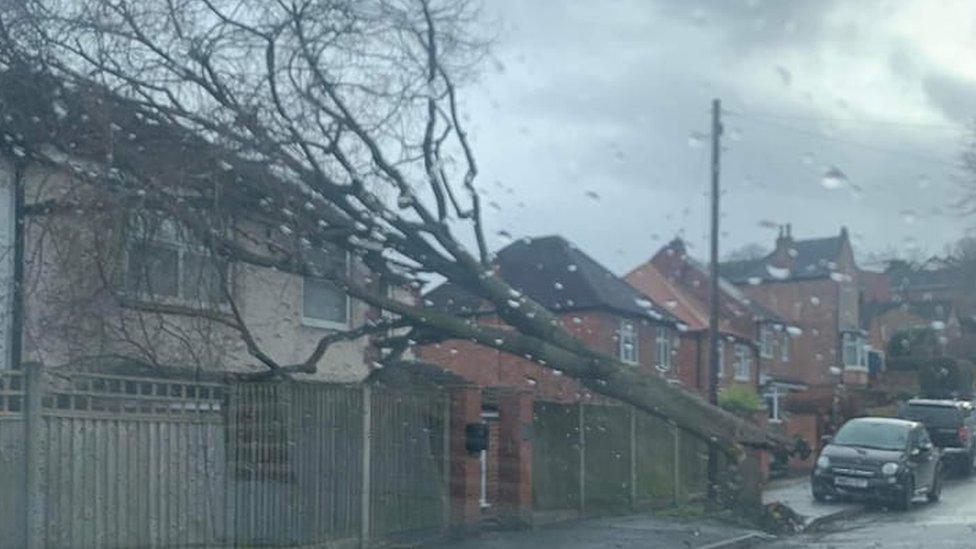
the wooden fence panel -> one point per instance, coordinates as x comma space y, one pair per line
13, 496
295, 463
408, 466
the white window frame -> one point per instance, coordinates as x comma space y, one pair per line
721, 358
765, 341
628, 333
662, 349
852, 342
322, 323
182, 249
743, 362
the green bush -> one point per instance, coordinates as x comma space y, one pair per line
938, 377
739, 399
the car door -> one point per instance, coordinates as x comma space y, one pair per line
925, 457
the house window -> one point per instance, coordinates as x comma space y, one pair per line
765, 341
662, 349
743, 362
628, 342
325, 305
721, 359
162, 260
853, 350
784, 347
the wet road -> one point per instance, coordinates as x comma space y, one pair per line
949, 523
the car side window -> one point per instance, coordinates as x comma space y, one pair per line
922, 437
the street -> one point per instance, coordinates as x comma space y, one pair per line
949, 523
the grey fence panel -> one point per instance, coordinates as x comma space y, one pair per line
654, 457
12, 488
555, 457
607, 459
13, 496
408, 475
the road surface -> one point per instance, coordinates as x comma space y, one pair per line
949, 523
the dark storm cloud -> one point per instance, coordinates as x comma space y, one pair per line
953, 95
589, 126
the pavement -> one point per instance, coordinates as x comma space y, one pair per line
950, 523
795, 494
619, 532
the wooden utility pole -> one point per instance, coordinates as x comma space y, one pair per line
713, 340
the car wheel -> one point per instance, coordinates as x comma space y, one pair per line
904, 500
935, 493
819, 496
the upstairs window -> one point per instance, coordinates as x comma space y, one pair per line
853, 350
163, 261
743, 362
766, 336
628, 342
662, 349
325, 305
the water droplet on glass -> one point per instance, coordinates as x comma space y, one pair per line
571, 268
557, 285
908, 216
696, 140
779, 273
814, 300
592, 194
577, 320
833, 178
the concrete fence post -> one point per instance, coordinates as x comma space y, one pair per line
582, 459
633, 457
367, 428
677, 463
34, 454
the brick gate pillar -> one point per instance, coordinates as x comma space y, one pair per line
515, 455
465, 482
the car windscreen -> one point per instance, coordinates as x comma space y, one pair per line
883, 436
932, 415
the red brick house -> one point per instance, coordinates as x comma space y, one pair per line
593, 304
754, 339
814, 284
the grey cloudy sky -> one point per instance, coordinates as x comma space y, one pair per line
611, 97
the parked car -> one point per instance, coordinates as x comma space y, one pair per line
880, 459
951, 425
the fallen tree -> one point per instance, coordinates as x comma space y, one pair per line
337, 124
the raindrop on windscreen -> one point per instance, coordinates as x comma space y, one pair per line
779, 273
833, 178
908, 216
592, 195
643, 303
814, 300
571, 268
504, 235
577, 320
938, 325
697, 140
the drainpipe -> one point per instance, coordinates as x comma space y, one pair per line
17, 284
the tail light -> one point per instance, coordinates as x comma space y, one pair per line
962, 433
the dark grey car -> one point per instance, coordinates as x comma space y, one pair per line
879, 459
951, 425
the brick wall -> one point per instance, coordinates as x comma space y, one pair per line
812, 305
